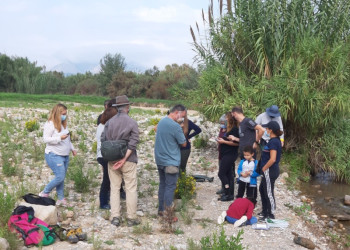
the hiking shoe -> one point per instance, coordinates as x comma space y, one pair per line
42, 194
82, 236
133, 222
221, 191
62, 203
271, 216
115, 221
261, 213
160, 213
222, 217
240, 221
72, 239
227, 198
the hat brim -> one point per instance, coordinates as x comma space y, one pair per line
273, 114
122, 104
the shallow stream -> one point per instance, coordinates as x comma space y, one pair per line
328, 196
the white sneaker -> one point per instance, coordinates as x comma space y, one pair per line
62, 203
222, 217
42, 194
240, 221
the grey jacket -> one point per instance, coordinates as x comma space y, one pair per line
122, 127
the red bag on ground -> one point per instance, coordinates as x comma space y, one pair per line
26, 227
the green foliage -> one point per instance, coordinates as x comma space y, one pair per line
94, 146
331, 151
290, 53
296, 162
218, 242
200, 142
142, 229
7, 204
82, 177
32, 125
178, 231
153, 121
185, 186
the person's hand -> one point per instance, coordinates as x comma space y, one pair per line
64, 137
282, 143
245, 174
255, 144
220, 140
74, 152
119, 164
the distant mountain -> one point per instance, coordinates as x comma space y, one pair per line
70, 68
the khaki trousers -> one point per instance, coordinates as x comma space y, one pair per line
128, 173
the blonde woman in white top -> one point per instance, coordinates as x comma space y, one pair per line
58, 146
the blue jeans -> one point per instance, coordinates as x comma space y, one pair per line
59, 166
252, 221
167, 186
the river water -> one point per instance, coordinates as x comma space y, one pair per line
328, 196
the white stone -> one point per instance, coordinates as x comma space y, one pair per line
4, 245
140, 213
347, 200
70, 214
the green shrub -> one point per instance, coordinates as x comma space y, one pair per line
94, 146
81, 176
153, 121
216, 242
185, 186
200, 142
142, 229
32, 125
7, 204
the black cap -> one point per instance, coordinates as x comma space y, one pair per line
273, 125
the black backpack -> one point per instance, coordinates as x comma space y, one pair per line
38, 200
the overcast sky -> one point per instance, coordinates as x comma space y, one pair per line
145, 32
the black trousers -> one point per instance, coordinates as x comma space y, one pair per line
266, 190
226, 171
243, 187
106, 184
185, 153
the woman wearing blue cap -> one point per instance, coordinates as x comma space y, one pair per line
270, 158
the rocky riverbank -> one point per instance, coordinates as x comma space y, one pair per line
201, 217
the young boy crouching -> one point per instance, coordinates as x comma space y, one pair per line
240, 212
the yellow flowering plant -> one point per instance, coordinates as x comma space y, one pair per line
185, 187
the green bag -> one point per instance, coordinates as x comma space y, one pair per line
114, 150
49, 235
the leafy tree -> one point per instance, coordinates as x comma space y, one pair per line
110, 65
7, 81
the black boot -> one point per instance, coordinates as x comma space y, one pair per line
228, 196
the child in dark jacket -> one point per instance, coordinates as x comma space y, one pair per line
240, 212
247, 174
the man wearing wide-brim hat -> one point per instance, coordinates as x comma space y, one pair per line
122, 127
272, 114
